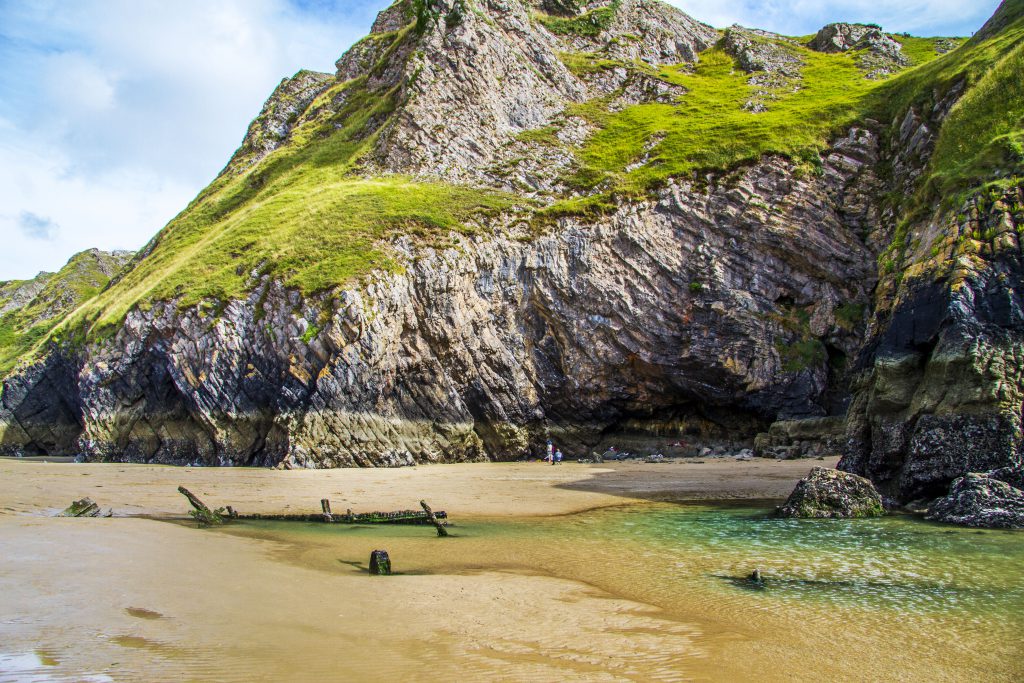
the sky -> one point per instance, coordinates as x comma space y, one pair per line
114, 114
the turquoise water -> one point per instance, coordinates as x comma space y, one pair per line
897, 562
915, 596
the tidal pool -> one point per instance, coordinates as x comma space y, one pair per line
895, 598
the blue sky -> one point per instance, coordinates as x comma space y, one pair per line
115, 113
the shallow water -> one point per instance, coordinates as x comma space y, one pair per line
640, 593
880, 599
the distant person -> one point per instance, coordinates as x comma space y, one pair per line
558, 456
551, 452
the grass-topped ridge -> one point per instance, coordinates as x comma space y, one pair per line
303, 215
638, 148
82, 278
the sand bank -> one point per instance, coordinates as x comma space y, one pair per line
491, 490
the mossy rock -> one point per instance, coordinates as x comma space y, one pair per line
829, 493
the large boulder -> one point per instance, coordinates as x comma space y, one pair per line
982, 500
881, 55
832, 493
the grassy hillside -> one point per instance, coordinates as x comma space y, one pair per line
302, 214
306, 216
708, 129
51, 297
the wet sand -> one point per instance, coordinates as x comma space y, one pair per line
141, 599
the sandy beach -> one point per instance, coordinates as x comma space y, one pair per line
146, 596
161, 601
478, 489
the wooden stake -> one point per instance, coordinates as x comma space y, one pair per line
441, 531
325, 506
201, 513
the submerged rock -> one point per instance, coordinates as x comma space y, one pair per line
981, 500
831, 493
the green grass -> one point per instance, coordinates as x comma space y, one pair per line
708, 129
801, 354
583, 64
548, 135
982, 139
23, 328
590, 24
301, 215
850, 316
921, 50
979, 145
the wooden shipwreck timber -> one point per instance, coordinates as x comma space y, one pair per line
205, 516
395, 517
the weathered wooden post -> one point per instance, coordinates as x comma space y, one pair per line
441, 531
325, 506
201, 513
380, 563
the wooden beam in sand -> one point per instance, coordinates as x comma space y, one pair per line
441, 531
201, 513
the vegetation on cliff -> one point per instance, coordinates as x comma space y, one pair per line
30, 309
311, 215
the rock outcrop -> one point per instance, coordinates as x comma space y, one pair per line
270, 130
981, 500
812, 437
832, 494
944, 390
882, 56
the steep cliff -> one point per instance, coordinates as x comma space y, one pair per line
940, 389
501, 221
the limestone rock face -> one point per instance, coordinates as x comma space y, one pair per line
811, 437
832, 493
981, 500
270, 129
943, 392
17, 294
484, 350
883, 54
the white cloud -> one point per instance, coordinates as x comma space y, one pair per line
802, 17
115, 113
37, 227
